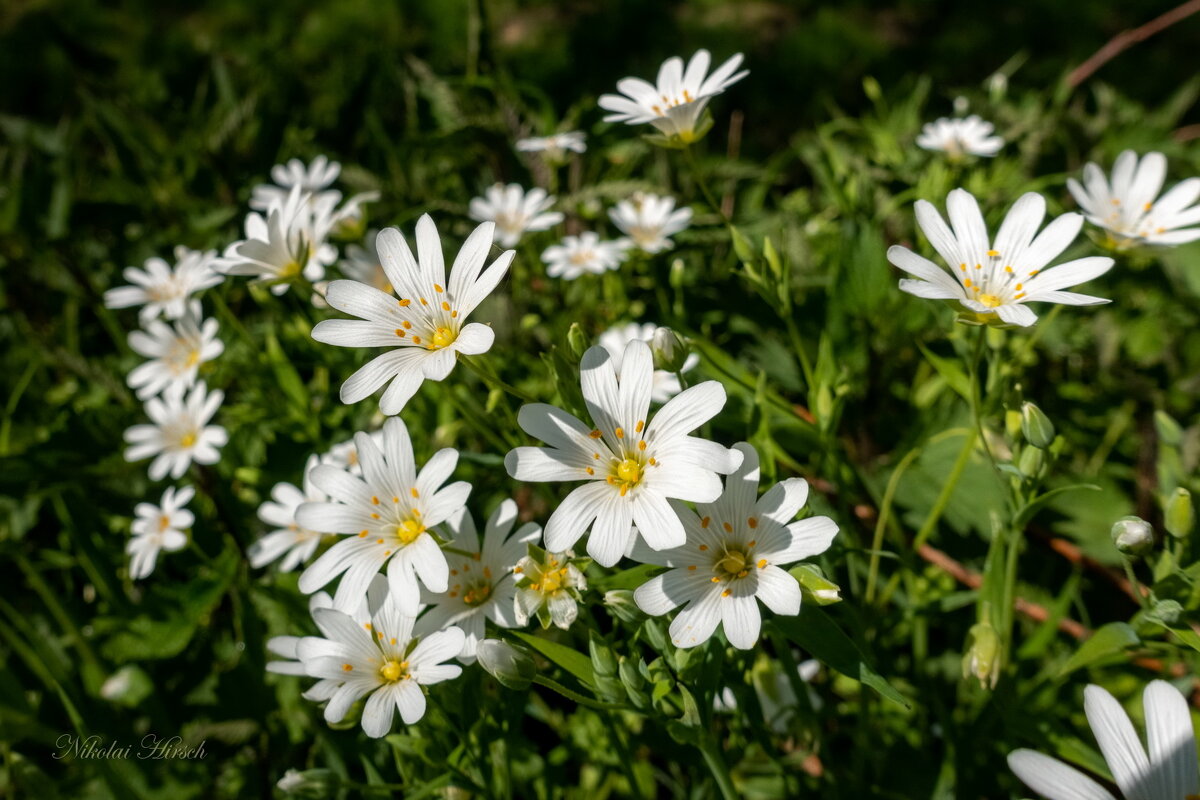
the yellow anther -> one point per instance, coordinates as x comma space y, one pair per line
642, 444
347, 667
762, 563
362, 534
704, 524
409, 530
728, 528
596, 434
620, 432
413, 491
726, 593
445, 306
437, 288
993, 253
405, 303
753, 523
640, 425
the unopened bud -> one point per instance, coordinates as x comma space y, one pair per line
815, 587
604, 662
314, 783
1036, 426
621, 604
511, 666
1031, 462
577, 341
1133, 536
1180, 515
669, 350
983, 657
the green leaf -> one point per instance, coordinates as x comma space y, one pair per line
1106, 641
951, 371
1040, 501
573, 661
816, 632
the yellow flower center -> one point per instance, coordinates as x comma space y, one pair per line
990, 300
553, 581
193, 358
409, 530
164, 522
629, 471
477, 594
392, 671
441, 338
290, 270
188, 440
733, 562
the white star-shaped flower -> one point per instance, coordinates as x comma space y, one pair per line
556, 145
515, 211
959, 137
179, 433
287, 244
159, 527
175, 351
310, 179
732, 558
675, 103
1127, 207
1169, 772
426, 326
385, 516
650, 221
581, 255
481, 584
630, 462
289, 541
380, 660
999, 278
161, 290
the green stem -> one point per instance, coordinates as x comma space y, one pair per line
801, 353
623, 754
716, 765
583, 700
494, 381
698, 176
881, 523
977, 402
1135, 584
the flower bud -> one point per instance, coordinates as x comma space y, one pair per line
128, 686
815, 587
1133, 536
577, 341
314, 783
604, 662
1036, 426
635, 683
509, 665
620, 603
669, 350
983, 657
1180, 516
1031, 462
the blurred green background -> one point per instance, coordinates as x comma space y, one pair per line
129, 127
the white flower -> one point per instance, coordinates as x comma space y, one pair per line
288, 647
481, 584
159, 290
179, 433
548, 587
288, 244
1002, 277
379, 660
776, 695
958, 137
649, 221
630, 463
289, 541
1170, 771
1127, 208
385, 516
426, 326
665, 385
579, 255
555, 145
309, 179
735, 547
158, 528
345, 454
676, 103
515, 211
175, 352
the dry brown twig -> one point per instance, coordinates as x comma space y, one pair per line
1126, 39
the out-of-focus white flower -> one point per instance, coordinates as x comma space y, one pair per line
776, 695
630, 463
1127, 208
344, 455
549, 587
649, 221
665, 385
959, 137
426, 328
583, 254
362, 264
159, 527
175, 351
288, 244
554, 146
732, 558
1169, 772
161, 290
289, 541
310, 179
179, 433
674, 106
380, 660
481, 584
384, 518
515, 211
997, 280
